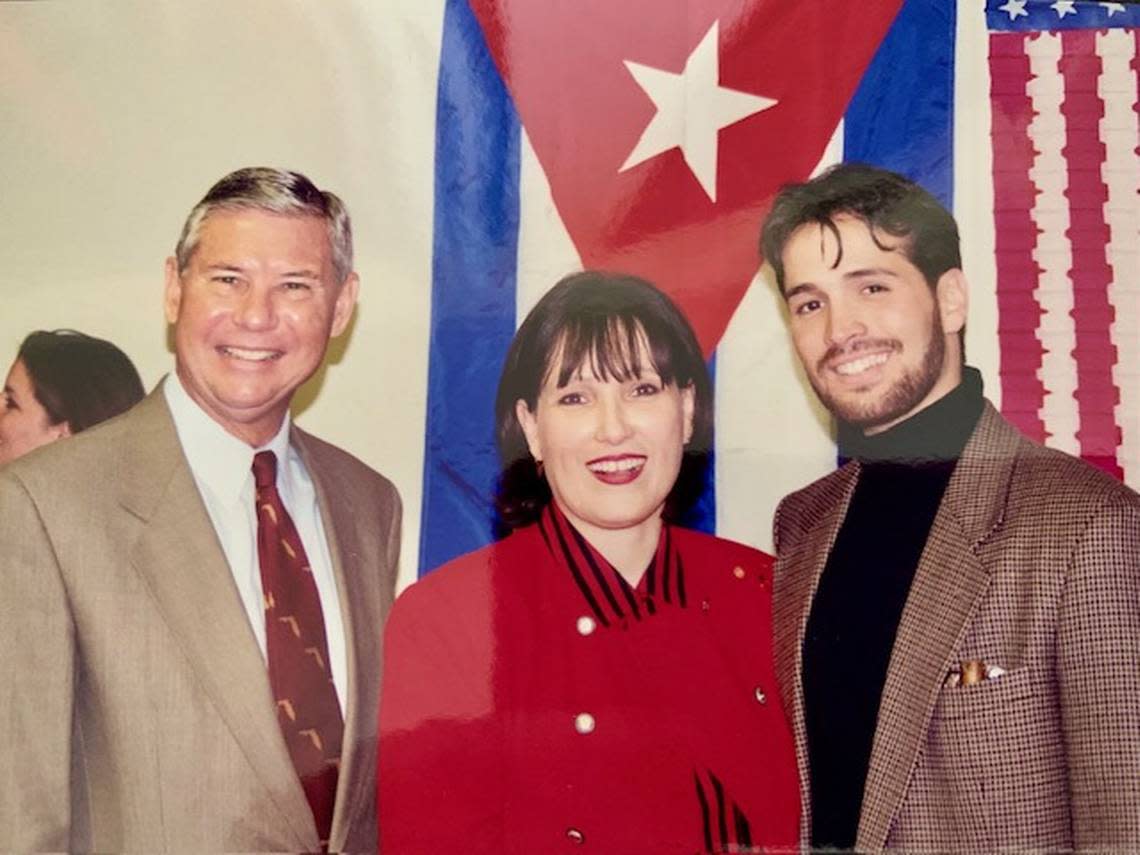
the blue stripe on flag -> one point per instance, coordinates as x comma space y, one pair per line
913, 68
473, 289
1034, 15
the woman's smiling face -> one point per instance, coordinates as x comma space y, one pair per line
611, 448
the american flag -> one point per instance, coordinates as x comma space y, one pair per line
1066, 177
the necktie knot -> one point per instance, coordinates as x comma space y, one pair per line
264, 469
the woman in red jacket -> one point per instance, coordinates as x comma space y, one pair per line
601, 678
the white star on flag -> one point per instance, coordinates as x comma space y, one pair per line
692, 107
1014, 8
1112, 8
1064, 7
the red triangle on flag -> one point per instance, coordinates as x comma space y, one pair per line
570, 68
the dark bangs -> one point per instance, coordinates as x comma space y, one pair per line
610, 346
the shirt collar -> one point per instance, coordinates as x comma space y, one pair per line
612, 600
219, 460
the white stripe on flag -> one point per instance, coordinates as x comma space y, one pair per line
545, 251
1119, 130
974, 192
1053, 254
772, 435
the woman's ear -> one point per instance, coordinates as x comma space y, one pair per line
688, 409
61, 430
529, 426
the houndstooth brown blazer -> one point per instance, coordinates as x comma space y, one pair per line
1033, 565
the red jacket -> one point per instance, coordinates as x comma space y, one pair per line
533, 702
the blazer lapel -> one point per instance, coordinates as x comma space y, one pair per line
362, 649
948, 585
798, 570
179, 557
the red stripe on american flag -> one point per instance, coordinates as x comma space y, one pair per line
1088, 235
1019, 313
1135, 65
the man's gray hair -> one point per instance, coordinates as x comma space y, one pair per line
278, 191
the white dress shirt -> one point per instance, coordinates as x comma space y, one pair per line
221, 464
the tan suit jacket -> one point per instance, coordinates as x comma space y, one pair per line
1033, 565
136, 712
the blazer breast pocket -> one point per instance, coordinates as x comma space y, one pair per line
993, 774
992, 695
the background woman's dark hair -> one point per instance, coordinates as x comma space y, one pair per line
594, 320
79, 379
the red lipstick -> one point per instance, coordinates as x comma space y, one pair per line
617, 469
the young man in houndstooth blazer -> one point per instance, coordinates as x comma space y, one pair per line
956, 609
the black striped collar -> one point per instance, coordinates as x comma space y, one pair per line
611, 599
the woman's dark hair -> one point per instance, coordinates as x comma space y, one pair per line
79, 379
596, 320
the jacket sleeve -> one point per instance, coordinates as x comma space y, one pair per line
37, 672
440, 763
1098, 666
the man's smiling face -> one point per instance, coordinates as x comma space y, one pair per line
253, 313
877, 342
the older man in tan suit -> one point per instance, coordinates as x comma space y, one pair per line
957, 609
192, 594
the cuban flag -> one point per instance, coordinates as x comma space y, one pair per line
650, 137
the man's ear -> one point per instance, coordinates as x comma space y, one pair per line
345, 302
172, 295
529, 426
953, 295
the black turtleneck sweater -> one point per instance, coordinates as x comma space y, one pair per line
864, 586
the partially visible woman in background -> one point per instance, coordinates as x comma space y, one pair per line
63, 382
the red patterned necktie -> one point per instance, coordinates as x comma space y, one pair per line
297, 650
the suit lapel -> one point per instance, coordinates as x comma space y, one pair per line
948, 585
179, 557
797, 576
359, 720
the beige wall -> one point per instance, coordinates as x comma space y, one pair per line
115, 117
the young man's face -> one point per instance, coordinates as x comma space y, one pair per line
876, 341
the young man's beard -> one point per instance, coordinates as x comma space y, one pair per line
904, 395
